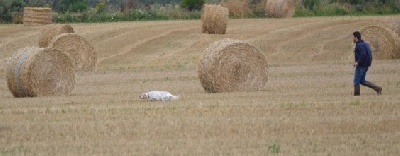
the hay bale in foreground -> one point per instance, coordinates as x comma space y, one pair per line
232, 65
214, 19
51, 31
34, 16
78, 48
35, 72
384, 42
280, 8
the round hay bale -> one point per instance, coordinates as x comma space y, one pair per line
34, 16
33, 72
384, 42
389, 22
78, 48
237, 8
51, 31
280, 8
232, 65
214, 19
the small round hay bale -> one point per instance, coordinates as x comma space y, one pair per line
232, 65
214, 19
280, 8
78, 48
34, 16
384, 42
51, 31
33, 72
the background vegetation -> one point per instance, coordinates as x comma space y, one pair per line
67, 11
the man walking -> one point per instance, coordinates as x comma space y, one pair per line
363, 59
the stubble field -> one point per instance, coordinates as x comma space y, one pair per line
307, 109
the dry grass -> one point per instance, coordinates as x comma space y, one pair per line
307, 108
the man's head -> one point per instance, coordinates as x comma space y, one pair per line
356, 36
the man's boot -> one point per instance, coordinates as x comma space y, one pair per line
356, 90
374, 87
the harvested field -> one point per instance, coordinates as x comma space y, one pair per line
307, 108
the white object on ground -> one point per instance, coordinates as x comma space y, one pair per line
159, 96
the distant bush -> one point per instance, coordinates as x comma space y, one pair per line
73, 6
10, 9
135, 15
193, 4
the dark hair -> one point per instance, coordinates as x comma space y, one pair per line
357, 34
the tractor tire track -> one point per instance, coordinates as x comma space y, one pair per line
125, 50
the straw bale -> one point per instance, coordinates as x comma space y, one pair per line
237, 8
280, 8
232, 65
392, 23
33, 72
34, 16
384, 42
78, 48
51, 31
214, 19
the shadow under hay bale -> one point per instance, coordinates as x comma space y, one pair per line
384, 43
34, 16
51, 31
78, 48
232, 65
33, 72
280, 8
214, 19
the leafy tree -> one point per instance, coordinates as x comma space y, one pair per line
193, 4
9, 8
73, 6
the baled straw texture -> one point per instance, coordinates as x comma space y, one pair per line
51, 31
280, 8
34, 16
389, 22
237, 8
384, 42
33, 72
232, 65
78, 48
214, 19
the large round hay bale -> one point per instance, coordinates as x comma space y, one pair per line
280, 8
389, 22
78, 48
384, 42
51, 31
214, 19
232, 65
34, 16
35, 72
